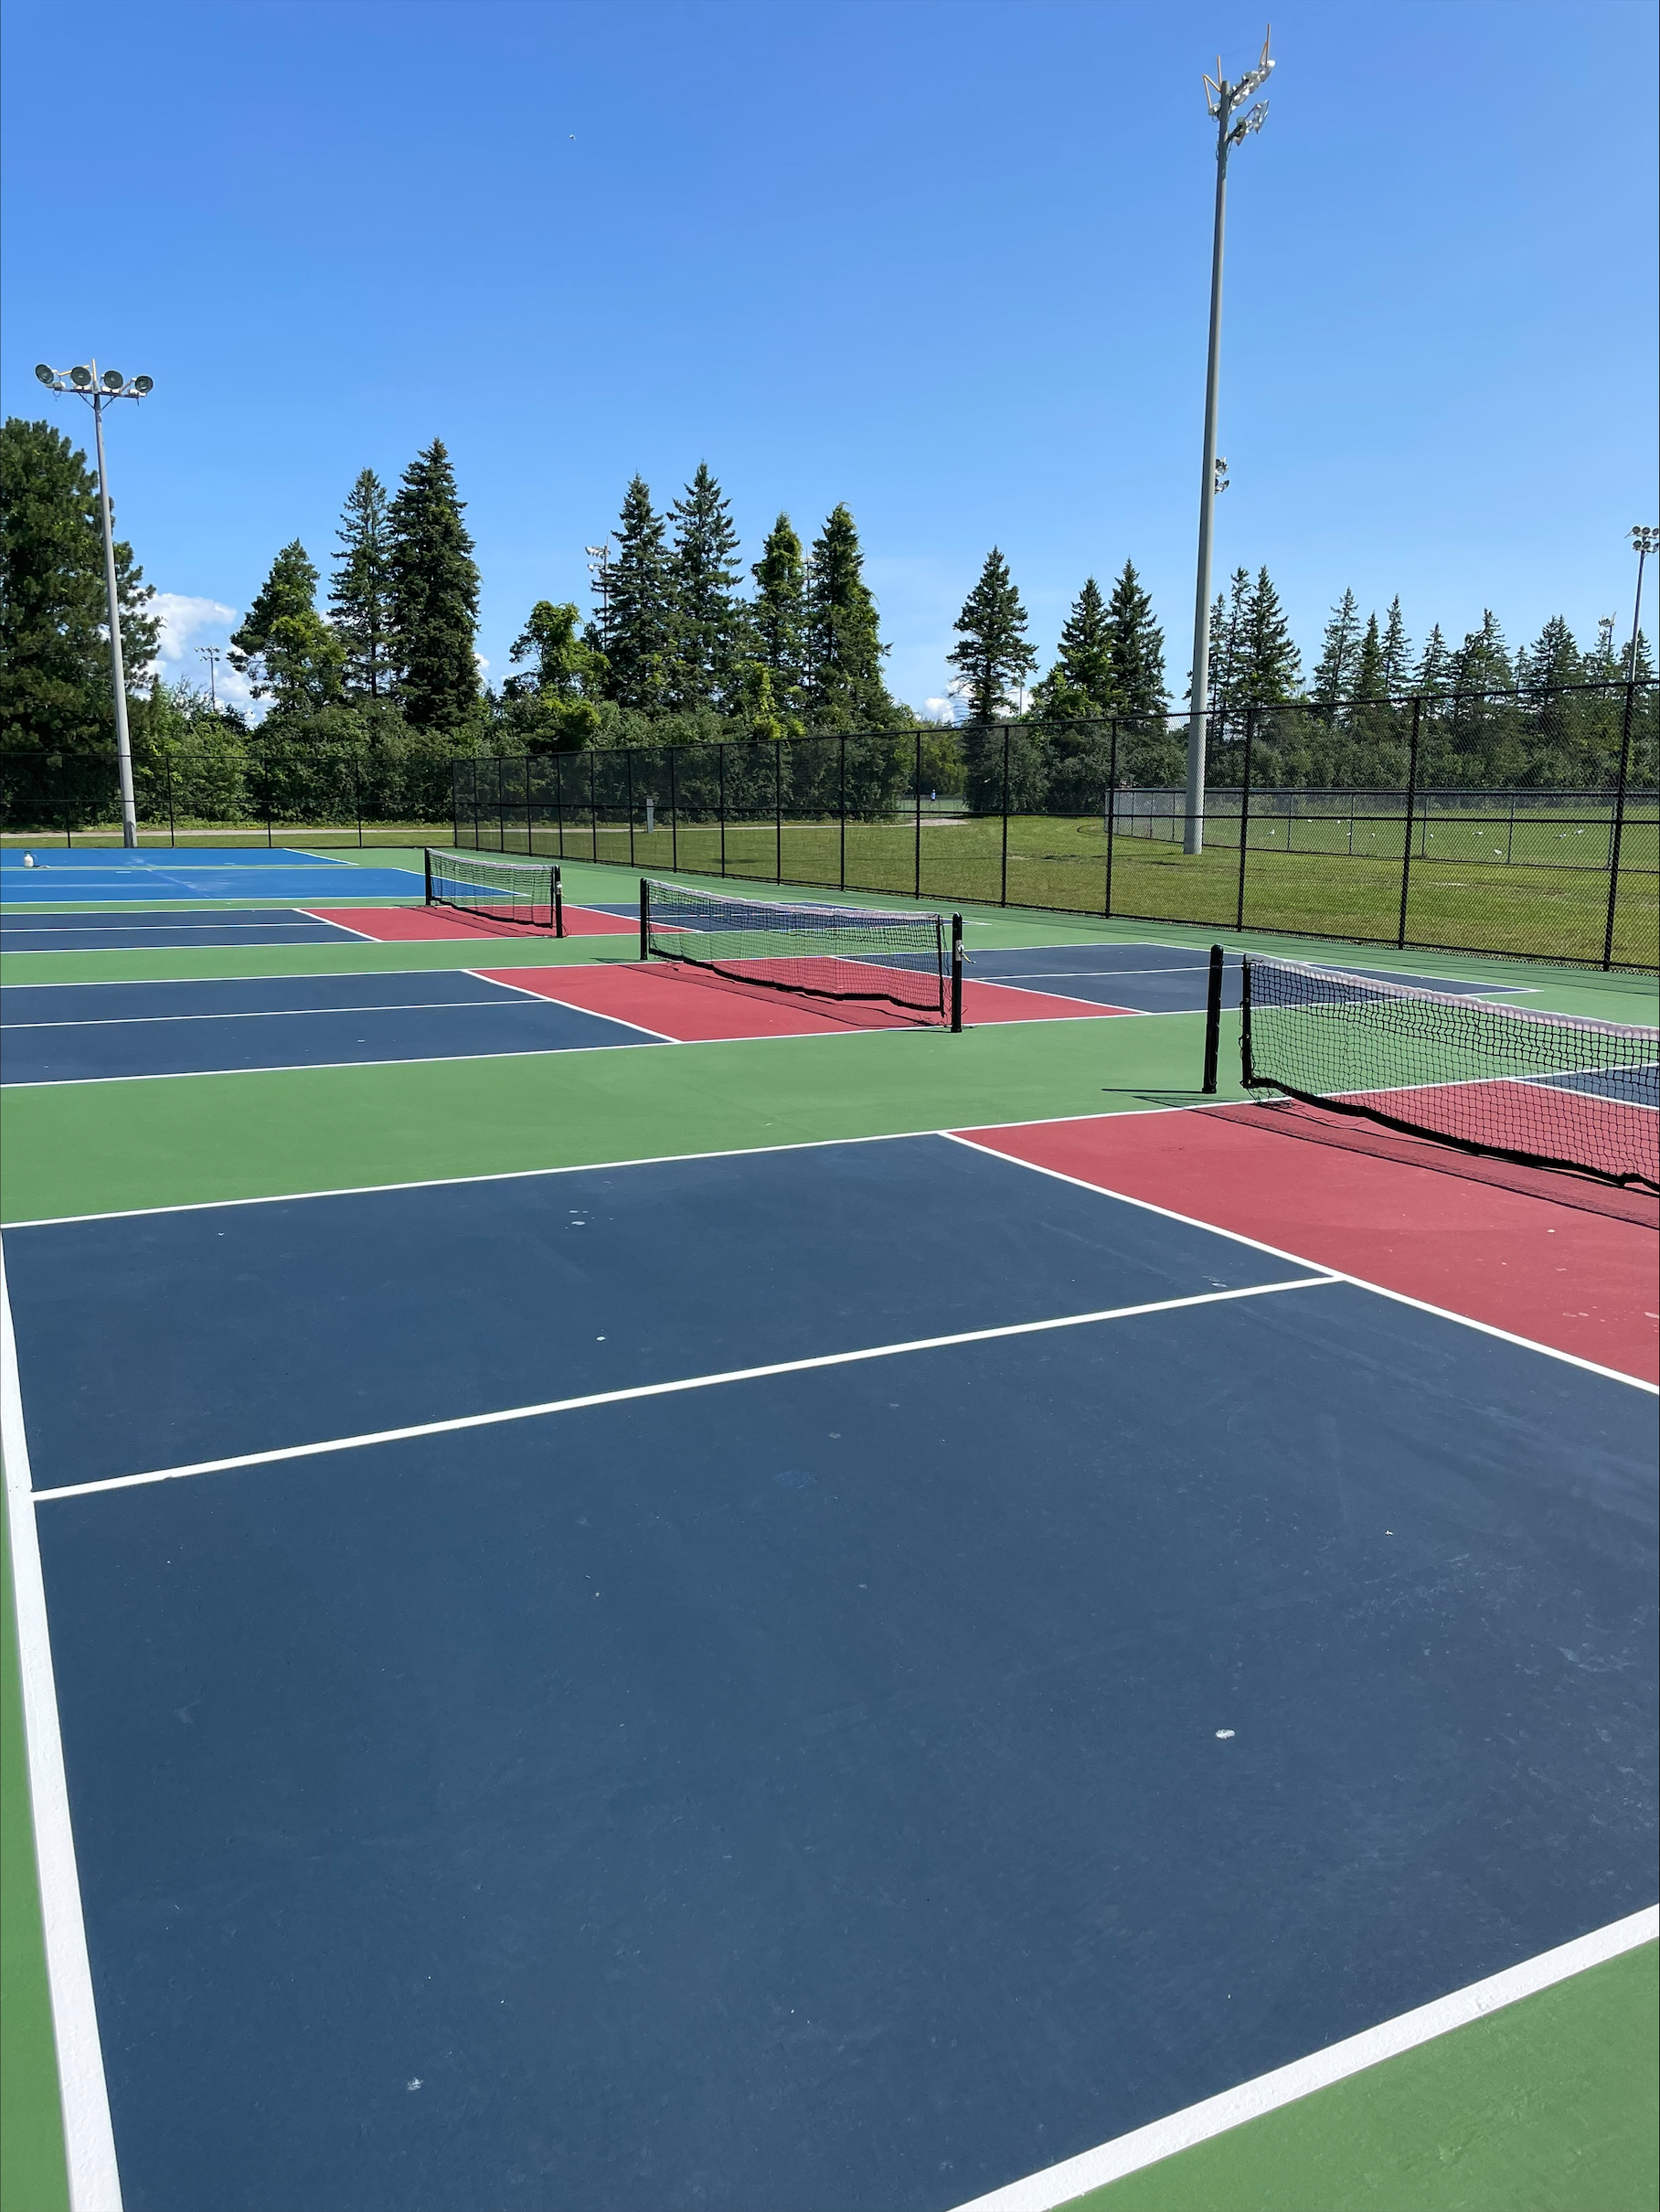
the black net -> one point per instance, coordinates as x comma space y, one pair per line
1551, 1089
841, 953
523, 893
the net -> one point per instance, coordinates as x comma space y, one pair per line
1549, 1090
495, 888
841, 953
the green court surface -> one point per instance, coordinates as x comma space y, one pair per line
1548, 2103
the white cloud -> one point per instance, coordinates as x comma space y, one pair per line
187, 622
940, 711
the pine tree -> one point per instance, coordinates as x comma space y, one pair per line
1230, 620
778, 615
1079, 687
1552, 660
282, 645
1483, 662
1269, 664
991, 651
1336, 666
1136, 646
361, 593
1603, 661
434, 595
54, 688
1397, 651
708, 618
844, 686
1368, 682
1431, 673
638, 640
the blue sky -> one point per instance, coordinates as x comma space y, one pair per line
945, 260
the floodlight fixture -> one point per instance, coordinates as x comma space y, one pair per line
1224, 102
97, 391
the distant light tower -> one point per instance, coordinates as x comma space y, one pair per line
599, 572
97, 391
1644, 541
210, 654
1223, 100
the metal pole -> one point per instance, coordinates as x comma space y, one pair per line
1613, 858
720, 755
1213, 1020
916, 888
1193, 829
1406, 844
842, 804
1003, 878
118, 674
777, 810
1111, 809
1251, 731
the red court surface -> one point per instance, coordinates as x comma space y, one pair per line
404, 925
1548, 1257
693, 1008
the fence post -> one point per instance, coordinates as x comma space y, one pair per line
916, 785
530, 840
674, 813
843, 810
358, 802
630, 751
167, 769
1111, 809
777, 810
1003, 878
720, 757
270, 840
1251, 733
1406, 842
1613, 858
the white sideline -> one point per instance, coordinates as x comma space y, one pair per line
89, 2141
1061, 2185
669, 1389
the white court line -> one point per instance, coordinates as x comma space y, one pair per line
327, 922
1274, 1251
1060, 2184
89, 2140
547, 998
669, 1389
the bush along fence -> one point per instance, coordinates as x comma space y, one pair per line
1503, 823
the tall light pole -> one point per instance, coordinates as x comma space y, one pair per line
210, 654
1644, 541
97, 391
1224, 100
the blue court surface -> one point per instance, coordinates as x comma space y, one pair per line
69, 1033
209, 872
170, 930
756, 1790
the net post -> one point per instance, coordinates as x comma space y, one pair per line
558, 903
426, 857
645, 918
956, 975
1247, 1074
1213, 1020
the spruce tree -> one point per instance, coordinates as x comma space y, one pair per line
778, 615
1334, 669
1136, 646
1397, 651
1552, 660
1079, 685
708, 622
55, 686
434, 595
1483, 662
991, 651
1368, 682
844, 686
1269, 664
283, 645
638, 633
1229, 622
361, 594
1603, 663
1431, 673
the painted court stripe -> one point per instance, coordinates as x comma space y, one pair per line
88, 2139
1060, 2184
669, 1389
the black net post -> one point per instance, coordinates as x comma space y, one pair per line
1251, 731
1406, 842
427, 857
559, 904
956, 974
1246, 1072
645, 918
1213, 1019
1614, 850
1002, 875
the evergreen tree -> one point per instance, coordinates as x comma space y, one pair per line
434, 595
1368, 682
1136, 646
991, 651
844, 686
361, 594
54, 688
282, 645
638, 633
1269, 664
779, 615
1603, 662
1433, 671
709, 619
1336, 666
1229, 622
1079, 685
1397, 651
1483, 662
1552, 660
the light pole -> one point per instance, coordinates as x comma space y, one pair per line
210, 654
97, 391
1224, 100
1644, 541
599, 570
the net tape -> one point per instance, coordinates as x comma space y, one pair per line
496, 886
1547, 1090
826, 952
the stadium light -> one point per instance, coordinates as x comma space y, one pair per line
1224, 101
85, 381
1644, 541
